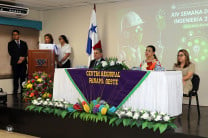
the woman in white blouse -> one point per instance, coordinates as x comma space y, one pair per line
64, 52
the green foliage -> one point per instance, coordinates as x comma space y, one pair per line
91, 105
98, 99
162, 127
133, 123
112, 120
63, 114
30, 107
118, 121
144, 125
156, 126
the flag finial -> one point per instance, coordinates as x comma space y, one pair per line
94, 7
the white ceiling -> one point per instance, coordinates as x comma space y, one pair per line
55, 4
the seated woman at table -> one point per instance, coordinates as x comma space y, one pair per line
183, 64
151, 61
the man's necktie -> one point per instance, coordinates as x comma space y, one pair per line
95, 63
18, 44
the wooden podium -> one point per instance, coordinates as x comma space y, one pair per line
41, 60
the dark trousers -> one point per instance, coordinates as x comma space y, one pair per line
66, 65
19, 75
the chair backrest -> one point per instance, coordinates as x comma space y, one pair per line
195, 82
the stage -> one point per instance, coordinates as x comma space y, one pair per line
45, 125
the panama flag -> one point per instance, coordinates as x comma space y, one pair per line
93, 41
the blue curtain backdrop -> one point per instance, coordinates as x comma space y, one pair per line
21, 22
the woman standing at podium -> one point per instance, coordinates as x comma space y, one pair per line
48, 38
64, 52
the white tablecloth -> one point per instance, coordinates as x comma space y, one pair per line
160, 91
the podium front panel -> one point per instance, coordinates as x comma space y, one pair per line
41, 60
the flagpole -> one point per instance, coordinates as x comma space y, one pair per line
92, 55
94, 7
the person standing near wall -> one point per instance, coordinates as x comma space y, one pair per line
64, 52
18, 50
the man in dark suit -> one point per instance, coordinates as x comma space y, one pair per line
18, 51
98, 57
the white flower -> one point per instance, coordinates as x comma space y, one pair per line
60, 105
166, 118
142, 111
47, 99
40, 102
35, 102
56, 104
66, 106
158, 118
145, 116
162, 113
120, 114
136, 116
153, 114
118, 62
129, 114
104, 63
50, 103
39, 99
112, 63
23, 84
45, 103
62, 100
144, 66
125, 109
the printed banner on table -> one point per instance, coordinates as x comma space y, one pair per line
114, 87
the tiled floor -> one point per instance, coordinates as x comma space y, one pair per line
6, 134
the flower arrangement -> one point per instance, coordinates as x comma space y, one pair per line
145, 119
51, 103
95, 107
143, 115
111, 64
40, 85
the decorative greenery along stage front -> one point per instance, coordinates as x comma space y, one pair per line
99, 110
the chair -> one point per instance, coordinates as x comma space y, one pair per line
194, 92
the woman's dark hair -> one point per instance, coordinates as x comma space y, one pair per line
64, 38
16, 31
153, 49
50, 37
187, 60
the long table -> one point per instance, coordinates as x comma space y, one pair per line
159, 91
